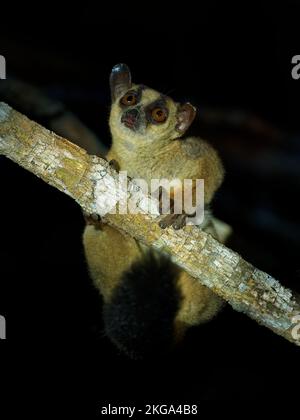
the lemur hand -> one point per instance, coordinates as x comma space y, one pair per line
178, 221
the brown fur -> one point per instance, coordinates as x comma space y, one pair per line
154, 151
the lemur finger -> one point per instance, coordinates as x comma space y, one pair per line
180, 221
167, 221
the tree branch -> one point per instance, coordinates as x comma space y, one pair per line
92, 183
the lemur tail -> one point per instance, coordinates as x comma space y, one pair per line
139, 319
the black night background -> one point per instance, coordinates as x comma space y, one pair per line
231, 60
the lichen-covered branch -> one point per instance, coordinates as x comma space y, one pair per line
92, 183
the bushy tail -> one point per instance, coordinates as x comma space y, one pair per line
139, 319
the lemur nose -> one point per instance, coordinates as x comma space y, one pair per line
133, 113
131, 118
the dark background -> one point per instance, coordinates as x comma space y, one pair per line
221, 57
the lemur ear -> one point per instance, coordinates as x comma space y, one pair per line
185, 116
120, 80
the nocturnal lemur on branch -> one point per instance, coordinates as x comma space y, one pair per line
148, 301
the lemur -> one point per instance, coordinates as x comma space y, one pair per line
149, 302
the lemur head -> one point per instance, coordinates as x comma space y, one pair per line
140, 114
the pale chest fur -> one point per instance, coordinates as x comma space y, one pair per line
173, 160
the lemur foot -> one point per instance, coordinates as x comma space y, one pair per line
92, 219
178, 221
114, 164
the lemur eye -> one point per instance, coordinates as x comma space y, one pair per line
129, 99
159, 115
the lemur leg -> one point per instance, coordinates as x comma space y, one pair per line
139, 290
109, 254
198, 305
